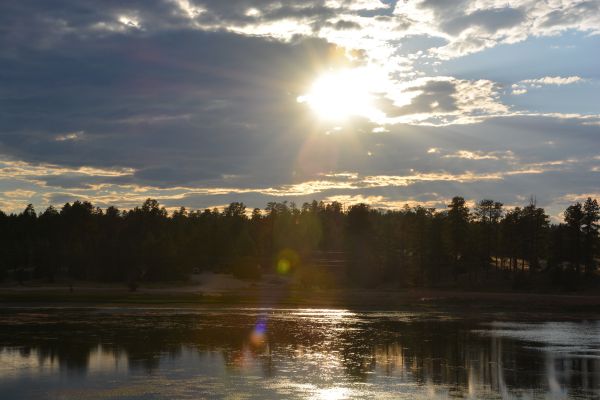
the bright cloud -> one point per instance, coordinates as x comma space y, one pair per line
522, 86
480, 155
471, 26
553, 80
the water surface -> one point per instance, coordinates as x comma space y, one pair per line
245, 353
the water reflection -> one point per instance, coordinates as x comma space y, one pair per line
267, 353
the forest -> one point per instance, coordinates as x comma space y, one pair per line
321, 244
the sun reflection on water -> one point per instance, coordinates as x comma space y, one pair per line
306, 353
336, 393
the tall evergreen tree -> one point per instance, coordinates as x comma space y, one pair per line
457, 233
589, 226
574, 221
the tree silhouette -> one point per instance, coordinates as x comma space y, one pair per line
413, 246
591, 216
488, 213
574, 220
457, 233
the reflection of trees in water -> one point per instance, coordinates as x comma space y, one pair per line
60, 345
575, 372
431, 353
485, 364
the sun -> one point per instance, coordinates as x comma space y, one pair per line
339, 95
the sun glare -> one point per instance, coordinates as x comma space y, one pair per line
336, 96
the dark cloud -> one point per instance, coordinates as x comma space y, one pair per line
173, 175
38, 24
180, 106
433, 96
343, 25
67, 181
31, 24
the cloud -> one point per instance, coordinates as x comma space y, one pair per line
571, 198
194, 102
471, 26
480, 155
464, 26
553, 80
152, 28
522, 86
18, 194
386, 203
23, 169
357, 5
443, 101
69, 136
173, 106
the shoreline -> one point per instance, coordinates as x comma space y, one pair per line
355, 299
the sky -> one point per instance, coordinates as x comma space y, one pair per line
199, 103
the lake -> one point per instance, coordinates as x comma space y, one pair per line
269, 353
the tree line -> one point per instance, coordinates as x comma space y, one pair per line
412, 246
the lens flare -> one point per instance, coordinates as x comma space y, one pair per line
283, 266
258, 335
287, 261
